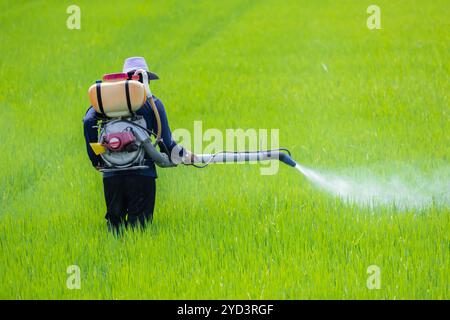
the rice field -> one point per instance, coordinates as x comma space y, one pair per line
343, 97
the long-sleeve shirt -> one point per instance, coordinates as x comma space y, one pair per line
91, 119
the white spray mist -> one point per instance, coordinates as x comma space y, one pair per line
399, 190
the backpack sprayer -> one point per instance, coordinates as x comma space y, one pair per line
124, 139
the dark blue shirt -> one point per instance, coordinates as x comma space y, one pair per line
91, 135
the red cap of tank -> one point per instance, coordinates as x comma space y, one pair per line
118, 77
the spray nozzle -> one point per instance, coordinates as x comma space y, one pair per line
286, 158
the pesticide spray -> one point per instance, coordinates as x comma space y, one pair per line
406, 189
124, 141
368, 190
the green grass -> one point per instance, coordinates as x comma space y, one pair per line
227, 231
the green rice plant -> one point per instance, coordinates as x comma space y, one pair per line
342, 96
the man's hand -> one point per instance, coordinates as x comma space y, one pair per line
144, 81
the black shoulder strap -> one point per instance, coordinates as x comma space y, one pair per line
127, 93
99, 98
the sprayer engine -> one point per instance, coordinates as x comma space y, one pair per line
122, 148
123, 144
120, 141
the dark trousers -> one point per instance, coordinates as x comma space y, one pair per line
130, 200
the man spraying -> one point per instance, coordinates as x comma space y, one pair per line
129, 189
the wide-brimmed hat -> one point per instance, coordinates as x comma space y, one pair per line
135, 63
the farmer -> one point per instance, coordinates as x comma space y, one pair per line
130, 194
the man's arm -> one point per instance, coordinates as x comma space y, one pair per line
166, 133
91, 135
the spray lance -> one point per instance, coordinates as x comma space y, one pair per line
124, 139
